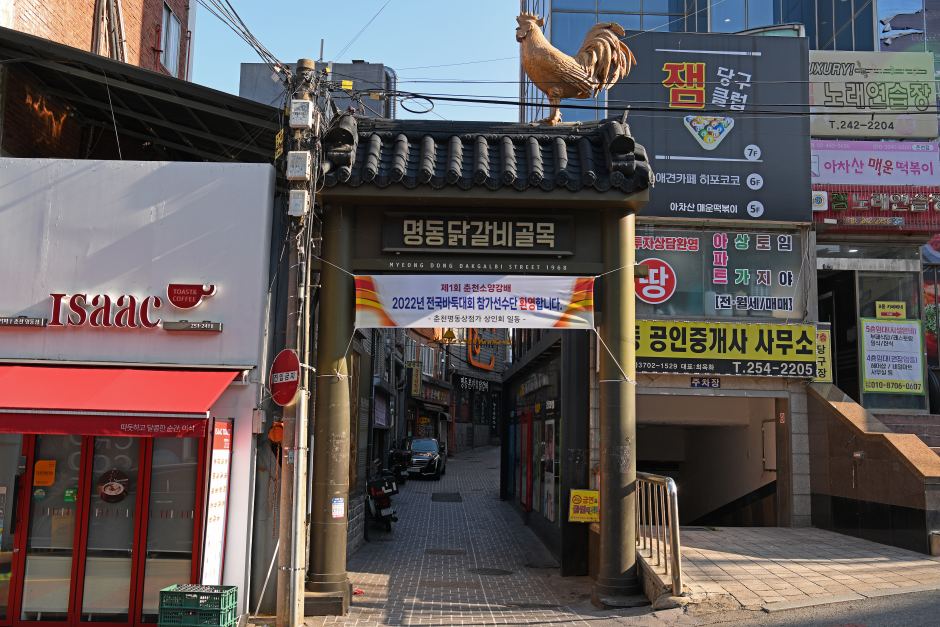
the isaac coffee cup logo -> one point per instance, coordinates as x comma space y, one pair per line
186, 296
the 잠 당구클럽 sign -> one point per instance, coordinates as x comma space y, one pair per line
892, 354
534, 302
768, 350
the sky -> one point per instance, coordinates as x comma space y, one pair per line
408, 36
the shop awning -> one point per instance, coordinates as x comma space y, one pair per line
108, 401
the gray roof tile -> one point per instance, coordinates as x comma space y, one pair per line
599, 154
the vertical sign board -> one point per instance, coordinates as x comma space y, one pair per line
216, 513
893, 356
719, 140
823, 354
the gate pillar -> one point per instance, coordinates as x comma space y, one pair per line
617, 575
328, 587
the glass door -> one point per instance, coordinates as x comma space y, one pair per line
52, 497
110, 530
11, 449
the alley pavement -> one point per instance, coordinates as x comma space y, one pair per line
460, 556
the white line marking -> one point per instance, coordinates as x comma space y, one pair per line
724, 52
707, 159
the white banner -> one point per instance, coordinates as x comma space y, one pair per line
530, 302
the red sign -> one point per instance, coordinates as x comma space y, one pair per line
880, 208
659, 286
185, 296
285, 377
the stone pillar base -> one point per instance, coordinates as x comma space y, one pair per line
327, 603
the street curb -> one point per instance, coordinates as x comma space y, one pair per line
782, 606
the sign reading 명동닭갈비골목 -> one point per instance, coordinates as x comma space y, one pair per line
534, 302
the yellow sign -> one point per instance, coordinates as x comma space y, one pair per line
584, 506
44, 472
890, 309
347, 85
823, 356
781, 350
423, 420
415, 377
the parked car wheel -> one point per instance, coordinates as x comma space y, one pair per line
444, 470
437, 474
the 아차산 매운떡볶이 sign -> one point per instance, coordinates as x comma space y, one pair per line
721, 118
874, 163
493, 301
712, 348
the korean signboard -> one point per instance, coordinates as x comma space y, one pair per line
886, 208
823, 354
585, 506
875, 163
872, 94
764, 350
719, 272
449, 233
893, 356
535, 302
715, 151
217, 511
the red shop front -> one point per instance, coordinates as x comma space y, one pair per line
103, 490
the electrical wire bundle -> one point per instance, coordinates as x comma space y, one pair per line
224, 11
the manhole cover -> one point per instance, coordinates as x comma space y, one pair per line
445, 552
490, 571
447, 497
449, 584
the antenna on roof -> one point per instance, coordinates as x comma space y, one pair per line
321, 50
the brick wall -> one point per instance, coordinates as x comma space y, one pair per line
71, 22
33, 126
355, 524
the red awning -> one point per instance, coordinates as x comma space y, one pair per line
108, 401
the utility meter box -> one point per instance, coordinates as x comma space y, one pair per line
301, 113
299, 163
298, 202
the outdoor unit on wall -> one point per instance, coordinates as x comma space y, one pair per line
299, 163
299, 199
301, 113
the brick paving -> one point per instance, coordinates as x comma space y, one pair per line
404, 584
770, 565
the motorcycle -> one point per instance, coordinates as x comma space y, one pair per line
398, 466
380, 489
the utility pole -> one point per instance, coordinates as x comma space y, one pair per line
293, 483
617, 576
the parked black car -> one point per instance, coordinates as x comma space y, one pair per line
422, 456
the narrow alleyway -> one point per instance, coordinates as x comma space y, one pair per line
469, 560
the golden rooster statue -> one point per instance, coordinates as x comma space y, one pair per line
602, 60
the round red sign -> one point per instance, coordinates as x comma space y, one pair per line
659, 286
285, 377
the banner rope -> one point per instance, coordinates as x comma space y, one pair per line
336, 373
625, 379
335, 266
629, 265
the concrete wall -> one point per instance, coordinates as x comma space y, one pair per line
355, 524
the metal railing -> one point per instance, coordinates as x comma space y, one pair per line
657, 525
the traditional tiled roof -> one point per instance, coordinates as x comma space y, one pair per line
601, 155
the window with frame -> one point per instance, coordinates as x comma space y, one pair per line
427, 360
170, 53
411, 349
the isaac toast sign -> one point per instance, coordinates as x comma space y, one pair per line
130, 312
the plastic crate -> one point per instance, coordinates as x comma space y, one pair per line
197, 597
197, 618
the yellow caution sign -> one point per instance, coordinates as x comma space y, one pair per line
584, 506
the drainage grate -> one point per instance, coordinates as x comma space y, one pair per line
445, 552
447, 497
449, 584
490, 571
